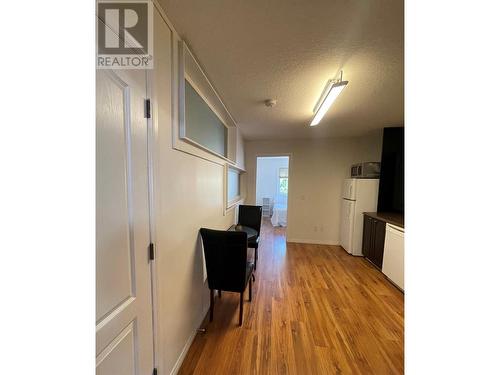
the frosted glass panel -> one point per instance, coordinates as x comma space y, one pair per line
233, 184
202, 124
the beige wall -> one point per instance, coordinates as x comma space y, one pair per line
188, 195
317, 170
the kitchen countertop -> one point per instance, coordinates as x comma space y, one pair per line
393, 218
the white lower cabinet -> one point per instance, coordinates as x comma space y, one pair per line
394, 255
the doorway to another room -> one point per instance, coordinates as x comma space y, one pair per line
271, 191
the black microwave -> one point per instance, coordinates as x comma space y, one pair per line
370, 169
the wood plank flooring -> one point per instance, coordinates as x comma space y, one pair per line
315, 310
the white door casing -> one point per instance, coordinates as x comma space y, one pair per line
124, 327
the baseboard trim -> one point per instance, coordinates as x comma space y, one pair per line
185, 350
179, 361
353, 255
313, 242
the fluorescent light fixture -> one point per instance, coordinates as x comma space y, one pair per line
330, 93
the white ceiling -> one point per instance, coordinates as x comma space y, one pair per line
253, 50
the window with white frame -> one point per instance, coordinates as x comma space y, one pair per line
233, 188
283, 181
202, 124
205, 128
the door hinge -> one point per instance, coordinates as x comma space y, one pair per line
147, 108
151, 251
155, 371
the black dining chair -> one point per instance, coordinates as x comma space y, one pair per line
251, 216
227, 265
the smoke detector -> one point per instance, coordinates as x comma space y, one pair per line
270, 102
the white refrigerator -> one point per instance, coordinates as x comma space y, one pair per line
358, 195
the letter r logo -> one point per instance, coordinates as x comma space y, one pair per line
122, 27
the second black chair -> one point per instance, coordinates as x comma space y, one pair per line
251, 216
227, 265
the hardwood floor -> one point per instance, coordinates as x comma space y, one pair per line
315, 310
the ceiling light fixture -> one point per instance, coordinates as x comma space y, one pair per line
331, 91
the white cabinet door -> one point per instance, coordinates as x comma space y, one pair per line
124, 330
394, 255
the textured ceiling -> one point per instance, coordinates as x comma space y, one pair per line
253, 50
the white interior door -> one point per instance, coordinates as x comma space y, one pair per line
124, 329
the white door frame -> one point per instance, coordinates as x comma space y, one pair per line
274, 155
152, 172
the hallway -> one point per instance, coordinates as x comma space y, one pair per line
315, 310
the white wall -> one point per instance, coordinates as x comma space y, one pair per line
267, 170
316, 172
188, 194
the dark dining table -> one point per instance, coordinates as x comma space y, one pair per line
251, 233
